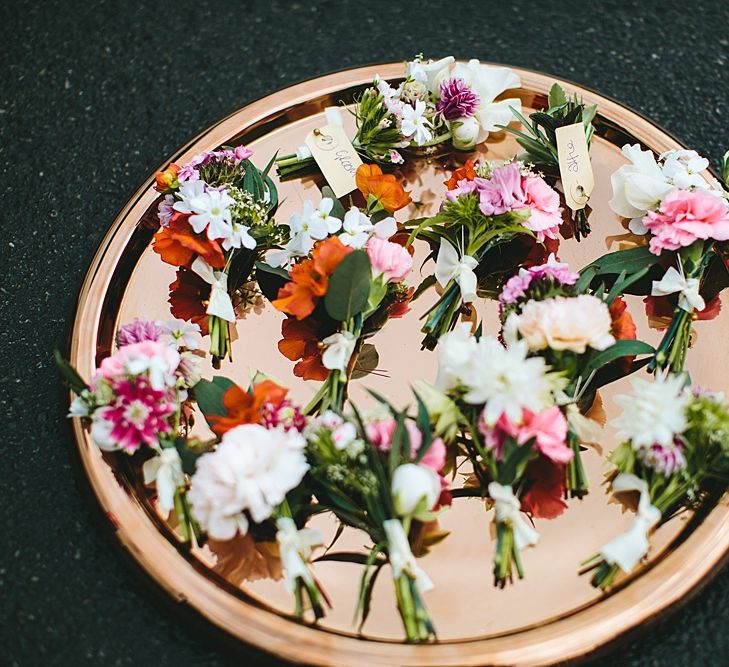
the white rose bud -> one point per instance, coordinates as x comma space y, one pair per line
415, 489
465, 132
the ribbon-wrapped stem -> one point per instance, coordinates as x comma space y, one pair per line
513, 533
576, 484
410, 583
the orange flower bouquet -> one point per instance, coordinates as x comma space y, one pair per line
338, 279
216, 218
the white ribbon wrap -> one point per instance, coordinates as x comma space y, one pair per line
220, 303
508, 508
402, 559
627, 549
674, 281
295, 548
587, 430
451, 266
334, 117
165, 470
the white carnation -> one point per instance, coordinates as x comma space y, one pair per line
564, 323
503, 379
654, 413
251, 471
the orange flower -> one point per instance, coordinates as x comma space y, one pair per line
178, 244
465, 173
300, 343
188, 297
623, 325
310, 279
167, 180
244, 407
384, 188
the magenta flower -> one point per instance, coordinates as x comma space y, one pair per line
137, 331
666, 460
138, 415
503, 191
457, 100
285, 415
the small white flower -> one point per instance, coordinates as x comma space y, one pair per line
165, 470
249, 473
414, 123
655, 412
338, 350
415, 490
356, 229
307, 227
684, 168
179, 334
563, 323
211, 212
158, 368
188, 191
239, 236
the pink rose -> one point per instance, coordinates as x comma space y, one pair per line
389, 259
380, 433
685, 216
545, 218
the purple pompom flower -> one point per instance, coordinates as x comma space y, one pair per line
137, 332
457, 100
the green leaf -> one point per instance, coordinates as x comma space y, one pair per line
270, 280
209, 395
69, 374
275, 270
349, 287
621, 348
337, 208
366, 362
427, 283
630, 261
557, 96
423, 423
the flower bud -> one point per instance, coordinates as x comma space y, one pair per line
167, 180
415, 489
465, 133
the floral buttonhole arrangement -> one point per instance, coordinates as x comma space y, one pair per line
675, 451
338, 280
588, 338
216, 221
539, 140
498, 407
436, 102
138, 400
488, 225
382, 474
682, 221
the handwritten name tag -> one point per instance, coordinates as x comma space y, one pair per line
336, 157
575, 169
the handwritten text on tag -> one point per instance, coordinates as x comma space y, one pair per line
575, 169
336, 157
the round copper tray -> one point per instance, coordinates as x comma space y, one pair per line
553, 615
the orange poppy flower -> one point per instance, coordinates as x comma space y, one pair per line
623, 325
178, 244
244, 407
310, 279
385, 188
167, 179
188, 298
300, 343
467, 172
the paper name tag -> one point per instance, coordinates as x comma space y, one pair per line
336, 157
574, 165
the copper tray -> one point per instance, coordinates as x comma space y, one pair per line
553, 615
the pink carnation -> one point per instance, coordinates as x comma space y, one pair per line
380, 434
545, 217
503, 191
161, 357
137, 331
389, 259
515, 287
685, 216
137, 416
548, 429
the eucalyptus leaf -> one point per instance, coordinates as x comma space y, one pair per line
349, 287
366, 362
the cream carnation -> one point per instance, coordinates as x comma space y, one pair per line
563, 323
249, 474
